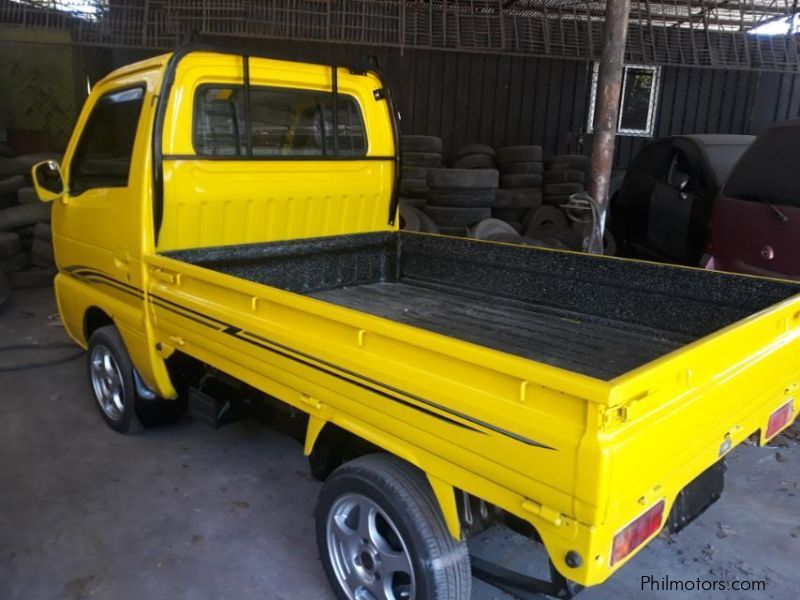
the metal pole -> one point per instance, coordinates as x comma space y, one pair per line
606, 112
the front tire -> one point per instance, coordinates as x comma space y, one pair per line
111, 375
381, 535
111, 378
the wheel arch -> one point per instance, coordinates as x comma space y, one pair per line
328, 445
94, 318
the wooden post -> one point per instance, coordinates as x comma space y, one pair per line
606, 111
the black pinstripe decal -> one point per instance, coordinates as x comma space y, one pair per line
98, 277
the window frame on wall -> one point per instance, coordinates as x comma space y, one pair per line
242, 128
655, 88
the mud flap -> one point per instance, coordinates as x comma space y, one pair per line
696, 497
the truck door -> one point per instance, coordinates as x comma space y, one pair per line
97, 220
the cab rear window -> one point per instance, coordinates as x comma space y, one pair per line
282, 123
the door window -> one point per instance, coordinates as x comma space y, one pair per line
103, 156
282, 123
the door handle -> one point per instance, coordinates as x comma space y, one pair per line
165, 276
122, 260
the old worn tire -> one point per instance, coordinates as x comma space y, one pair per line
474, 198
407, 523
24, 214
475, 149
11, 185
520, 181
409, 218
450, 179
509, 214
413, 188
505, 238
547, 216
546, 242
42, 254
416, 202
518, 154
474, 161
18, 262
489, 227
523, 168
562, 189
42, 231
565, 176
413, 173
609, 243
518, 198
10, 244
421, 143
426, 223
556, 200
5, 290
34, 277
27, 195
564, 162
22, 164
421, 159
453, 231
446, 216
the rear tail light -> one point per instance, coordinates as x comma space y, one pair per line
637, 532
780, 418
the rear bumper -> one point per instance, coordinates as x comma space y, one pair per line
687, 490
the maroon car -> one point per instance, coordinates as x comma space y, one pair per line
755, 225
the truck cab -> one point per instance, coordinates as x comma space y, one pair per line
225, 229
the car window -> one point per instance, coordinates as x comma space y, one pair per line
768, 169
103, 155
283, 123
722, 158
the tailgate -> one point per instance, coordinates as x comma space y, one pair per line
672, 419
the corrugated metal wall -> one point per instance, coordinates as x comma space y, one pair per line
506, 100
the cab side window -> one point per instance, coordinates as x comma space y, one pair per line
103, 155
283, 123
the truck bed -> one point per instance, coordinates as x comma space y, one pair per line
531, 331
595, 316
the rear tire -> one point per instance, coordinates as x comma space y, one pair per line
380, 534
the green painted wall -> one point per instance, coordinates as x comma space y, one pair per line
40, 82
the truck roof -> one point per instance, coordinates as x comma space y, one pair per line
156, 62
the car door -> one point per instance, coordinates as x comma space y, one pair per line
756, 224
98, 219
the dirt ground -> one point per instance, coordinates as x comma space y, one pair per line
187, 512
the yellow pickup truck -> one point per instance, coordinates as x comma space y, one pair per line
226, 236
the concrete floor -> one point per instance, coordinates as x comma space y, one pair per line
186, 512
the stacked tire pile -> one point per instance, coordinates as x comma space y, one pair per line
459, 198
26, 250
520, 190
418, 154
475, 156
565, 175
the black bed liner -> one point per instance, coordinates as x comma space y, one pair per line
592, 315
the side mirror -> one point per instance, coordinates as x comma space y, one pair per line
47, 180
